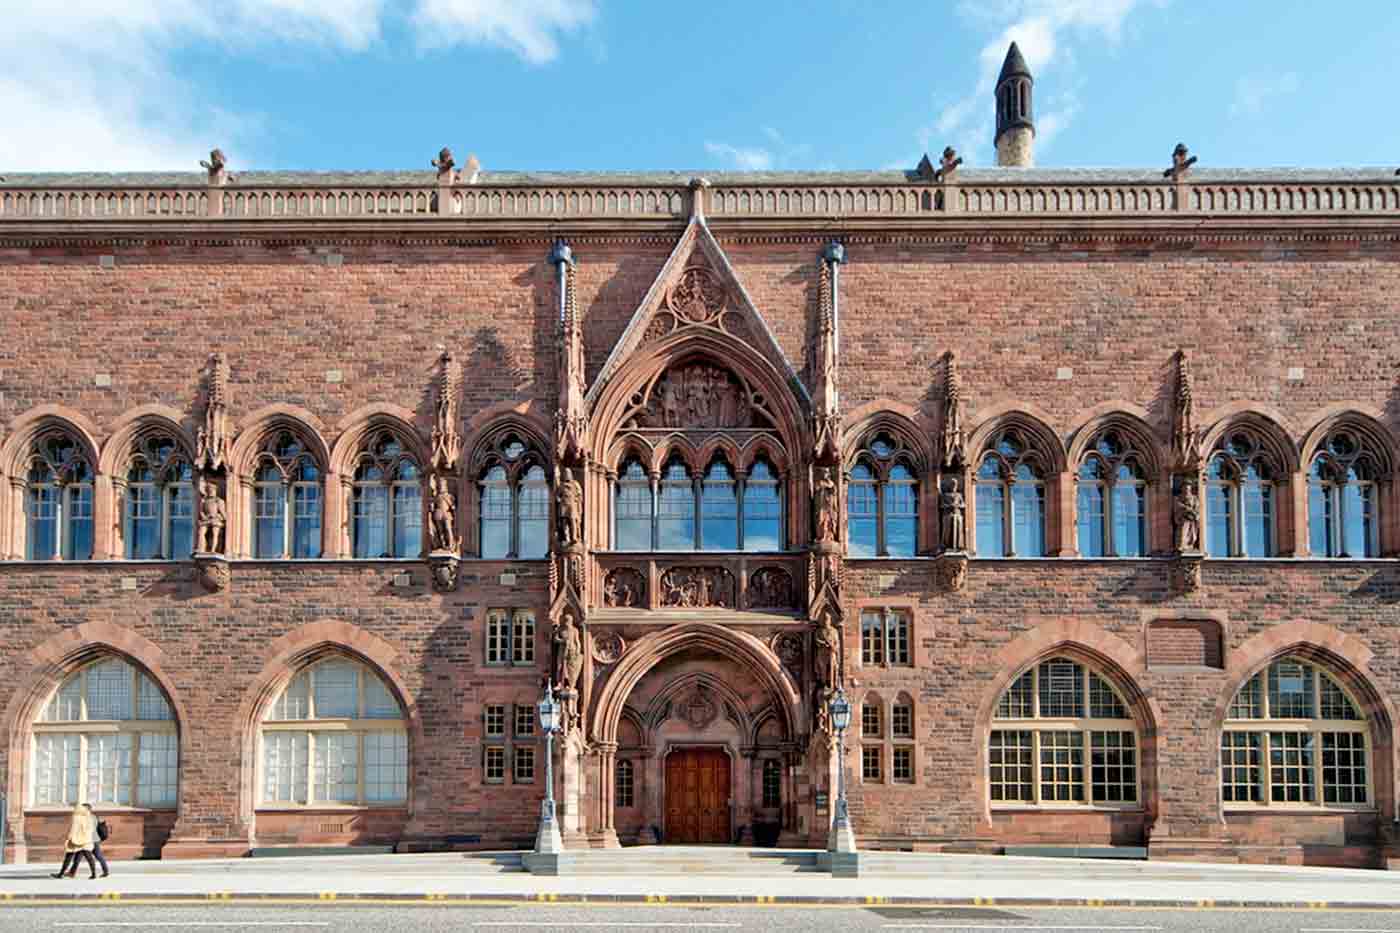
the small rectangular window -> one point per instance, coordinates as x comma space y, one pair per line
624, 784
497, 636
524, 719
772, 783
494, 768
522, 637
870, 721
1343, 767
495, 719
524, 764
872, 638
1113, 767
902, 767
870, 762
1241, 767
897, 634
902, 721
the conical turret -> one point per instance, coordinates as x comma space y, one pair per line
1015, 139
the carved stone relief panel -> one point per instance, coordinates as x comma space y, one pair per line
624, 587
788, 647
697, 588
770, 588
697, 708
699, 395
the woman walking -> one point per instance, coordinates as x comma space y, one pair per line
82, 834
100, 832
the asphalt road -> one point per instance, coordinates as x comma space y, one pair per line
527, 918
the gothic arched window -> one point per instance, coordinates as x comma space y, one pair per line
882, 501
1010, 492
158, 521
514, 502
1293, 737
1112, 500
1062, 734
334, 735
286, 500
1240, 483
632, 509
1342, 498
387, 501
58, 501
107, 736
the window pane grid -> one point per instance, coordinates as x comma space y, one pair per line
1061, 690
524, 764
1344, 768
335, 773
157, 768
1061, 766
386, 766
870, 763
1113, 767
523, 637
902, 764
902, 721
1011, 757
870, 720
1291, 767
495, 719
494, 765
623, 785
1241, 770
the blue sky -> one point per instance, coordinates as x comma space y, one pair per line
724, 84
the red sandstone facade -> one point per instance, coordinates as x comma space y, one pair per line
696, 324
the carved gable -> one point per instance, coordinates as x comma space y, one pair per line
698, 292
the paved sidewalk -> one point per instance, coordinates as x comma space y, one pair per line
934, 879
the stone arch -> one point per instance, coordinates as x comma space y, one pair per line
1144, 439
1345, 657
363, 422
1081, 641
1041, 436
1277, 437
255, 427
1380, 439
646, 365
26, 427
254, 432
25, 431
289, 654
860, 433
610, 699
138, 424
42, 669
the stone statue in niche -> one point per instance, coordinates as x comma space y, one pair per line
770, 588
698, 395
1186, 514
697, 588
213, 517
443, 518
697, 298
569, 501
951, 507
624, 588
828, 503
827, 641
568, 653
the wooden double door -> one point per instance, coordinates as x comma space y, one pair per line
697, 796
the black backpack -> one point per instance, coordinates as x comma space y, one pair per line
103, 830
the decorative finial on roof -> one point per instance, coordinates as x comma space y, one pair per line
217, 167
447, 172
471, 172
1181, 163
948, 164
698, 185
925, 169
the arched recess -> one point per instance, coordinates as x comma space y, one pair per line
364, 431
1092, 646
881, 441
291, 653
748, 651
1345, 657
26, 431
680, 687
1272, 430
41, 670
781, 402
255, 433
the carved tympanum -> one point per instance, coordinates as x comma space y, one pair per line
698, 708
624, 587
770, 588
697, 588
699, 395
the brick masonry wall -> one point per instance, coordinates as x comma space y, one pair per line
1016, 313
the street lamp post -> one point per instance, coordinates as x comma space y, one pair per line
547, 840
842, 837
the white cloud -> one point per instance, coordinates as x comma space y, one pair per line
90, 84
526, 27
1046, 31
745, 159
1253, 92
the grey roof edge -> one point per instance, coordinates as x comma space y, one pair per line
966, 175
